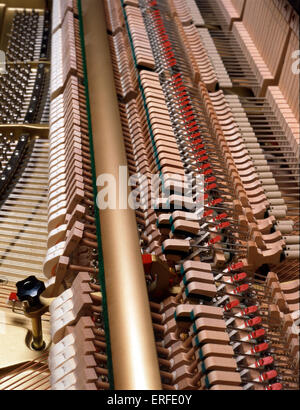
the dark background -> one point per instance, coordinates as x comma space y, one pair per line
296, 5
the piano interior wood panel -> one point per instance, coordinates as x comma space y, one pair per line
289, 81
238, 4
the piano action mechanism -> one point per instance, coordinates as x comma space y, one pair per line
189, 280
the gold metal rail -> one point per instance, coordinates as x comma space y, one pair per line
134, 355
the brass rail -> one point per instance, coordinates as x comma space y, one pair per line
134, 356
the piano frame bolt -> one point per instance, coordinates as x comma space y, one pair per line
37, 333
29, 292
36, 321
